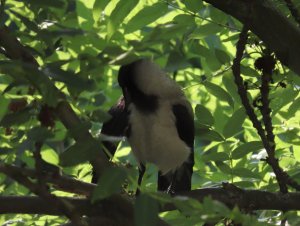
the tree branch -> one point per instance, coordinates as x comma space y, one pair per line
244, 199
279, 34
293, 11
62, 183
41, 190
281, 176
266, 117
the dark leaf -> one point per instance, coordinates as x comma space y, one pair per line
208, 134
80, 152
52, 3
290, 136
16, 118
215, 156
39, 134
109, 183
193, 5
203, 115
146, 210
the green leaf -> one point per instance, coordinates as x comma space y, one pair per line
180, 25
203, 115
16, 118
234, 124
294, 107
52, 3
205, 30
70, 79
231, 87
223, 167
208, 134
243, 172
246, 148
100, 116
193, 5
176, 61
4, 106
145, 211
109, 183
214, 156
222, 56
146, 16
248, 71
290, 136
219, 93
119, 13
85, 16
39, 134
99, 6
50, 156
28, 23
80, 152
282, 98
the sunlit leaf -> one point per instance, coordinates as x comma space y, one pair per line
235, 122
219, 93
244, 149
244, 172
120, 12
146, 16
50, 156
99, 6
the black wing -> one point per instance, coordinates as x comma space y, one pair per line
181, 179
116, 126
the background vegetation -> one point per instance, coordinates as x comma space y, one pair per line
58, 67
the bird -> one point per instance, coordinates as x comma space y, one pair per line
160, 124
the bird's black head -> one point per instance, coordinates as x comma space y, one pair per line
127, 73
132, 93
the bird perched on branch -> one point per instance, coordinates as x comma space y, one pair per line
160, 124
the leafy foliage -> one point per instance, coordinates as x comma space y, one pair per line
79, 46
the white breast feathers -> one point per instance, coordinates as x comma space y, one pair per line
154, 137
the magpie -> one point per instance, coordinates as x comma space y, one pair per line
160, 126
